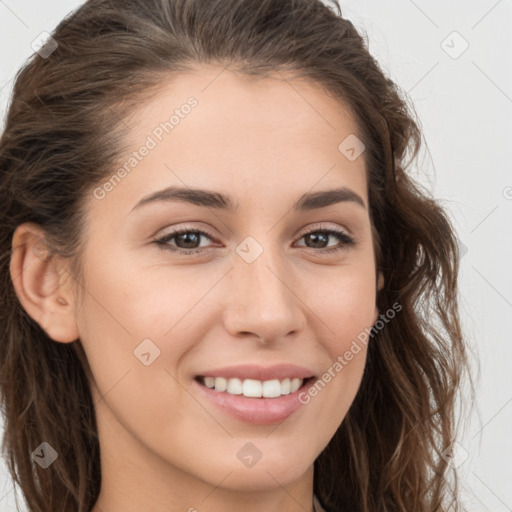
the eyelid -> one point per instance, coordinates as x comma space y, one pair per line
206, 231
323, 226
183, 229
349, 239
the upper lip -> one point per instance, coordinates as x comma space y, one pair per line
252, 371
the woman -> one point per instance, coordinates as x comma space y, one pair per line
307, 354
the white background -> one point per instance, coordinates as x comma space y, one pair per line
465, 109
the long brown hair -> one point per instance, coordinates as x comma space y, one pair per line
64, 133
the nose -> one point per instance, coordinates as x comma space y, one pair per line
263, 298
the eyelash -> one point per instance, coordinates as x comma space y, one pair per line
162, 243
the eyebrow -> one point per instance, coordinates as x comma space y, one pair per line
210, 199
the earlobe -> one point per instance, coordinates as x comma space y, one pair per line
43, 284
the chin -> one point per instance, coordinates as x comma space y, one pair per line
263, 479
268, 473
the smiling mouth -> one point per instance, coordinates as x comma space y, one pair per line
253, 388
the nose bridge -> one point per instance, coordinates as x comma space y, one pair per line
261, 300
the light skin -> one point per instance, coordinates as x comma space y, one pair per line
264, 143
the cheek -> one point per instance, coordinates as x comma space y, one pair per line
123, 329
137, 326
346, 307
122, 324
128, 299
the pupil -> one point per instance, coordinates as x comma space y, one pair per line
316, 236
192, 238
188, 235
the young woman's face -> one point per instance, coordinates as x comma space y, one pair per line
263, 300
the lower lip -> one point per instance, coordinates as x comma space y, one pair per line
260, 411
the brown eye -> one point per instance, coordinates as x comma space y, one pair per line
186, 241
319, 239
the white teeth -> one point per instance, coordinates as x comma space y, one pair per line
271, 388
209, 382
254, 388
295, 384
286, 386
251, 387
234, 387
221, 384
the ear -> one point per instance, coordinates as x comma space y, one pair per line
43, 284
380, 281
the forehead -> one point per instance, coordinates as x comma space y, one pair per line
261, 135
230, 100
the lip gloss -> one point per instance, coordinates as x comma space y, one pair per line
260, 411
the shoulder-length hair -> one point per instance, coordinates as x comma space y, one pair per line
64, 133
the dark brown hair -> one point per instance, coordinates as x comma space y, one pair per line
64, 133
